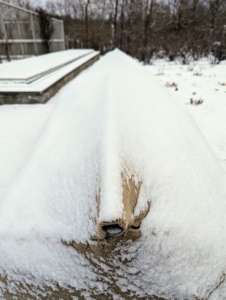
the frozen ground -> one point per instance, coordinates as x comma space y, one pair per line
200, 80
60, 156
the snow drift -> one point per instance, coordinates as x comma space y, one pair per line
115, 129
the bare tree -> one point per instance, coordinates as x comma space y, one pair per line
46, 28
115, 9
176, 29
148, 19
87, 3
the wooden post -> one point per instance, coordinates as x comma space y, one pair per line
33, 34
20, 36
62, 34
66, 42
2, 24
112, 36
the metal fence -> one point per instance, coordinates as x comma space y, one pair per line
20, 33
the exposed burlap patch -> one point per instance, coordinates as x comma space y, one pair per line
127, 220
129, 223
32, 292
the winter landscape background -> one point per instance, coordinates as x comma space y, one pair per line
131, 119
152, 113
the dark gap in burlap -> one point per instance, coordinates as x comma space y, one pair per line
130, 197
103, 243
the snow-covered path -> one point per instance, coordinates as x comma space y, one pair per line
71, 179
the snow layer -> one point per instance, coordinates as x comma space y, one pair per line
31, 67
199, 80
21, 126
123, 120
45, 80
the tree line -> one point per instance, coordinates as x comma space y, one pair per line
146, 29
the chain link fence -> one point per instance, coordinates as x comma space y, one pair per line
21, 33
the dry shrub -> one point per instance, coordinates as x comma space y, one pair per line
196, 102
173, 84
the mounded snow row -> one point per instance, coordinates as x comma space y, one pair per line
109, 121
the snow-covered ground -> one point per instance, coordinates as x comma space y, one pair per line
20, 126
114, 119
200, 80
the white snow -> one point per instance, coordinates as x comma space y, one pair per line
20, 128
112, 117
25, 69
44, 81
199, 80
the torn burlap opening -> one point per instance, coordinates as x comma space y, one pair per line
109, 233
120, 226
